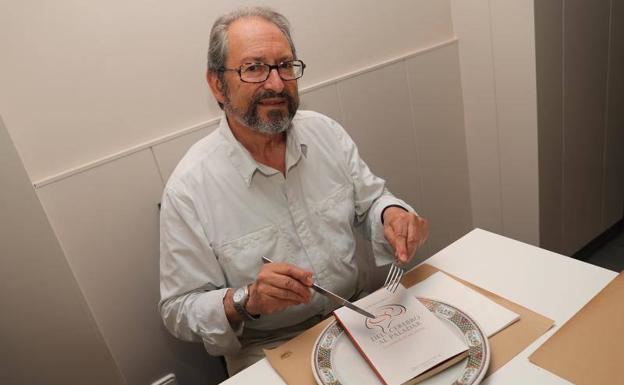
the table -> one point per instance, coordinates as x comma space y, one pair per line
551, 284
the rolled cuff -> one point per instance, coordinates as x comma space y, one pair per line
213, 326
200, 316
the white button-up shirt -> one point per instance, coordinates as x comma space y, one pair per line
222, 211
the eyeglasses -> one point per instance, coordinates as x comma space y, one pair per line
259, 72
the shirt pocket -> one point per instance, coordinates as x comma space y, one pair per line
241, 258
336, 214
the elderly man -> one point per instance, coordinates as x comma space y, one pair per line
270, 181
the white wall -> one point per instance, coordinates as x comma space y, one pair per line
48, 333
497, 56
123, 97
83, 80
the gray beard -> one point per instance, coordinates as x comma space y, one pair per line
277, 121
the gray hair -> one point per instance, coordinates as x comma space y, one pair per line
217, 51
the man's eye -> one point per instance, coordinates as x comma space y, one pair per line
286, 65
251, 68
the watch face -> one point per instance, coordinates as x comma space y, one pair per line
238, 295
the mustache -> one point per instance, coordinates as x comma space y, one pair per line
271, 94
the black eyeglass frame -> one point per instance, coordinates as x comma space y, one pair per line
272, 67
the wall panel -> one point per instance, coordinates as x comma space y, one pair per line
48, 332
496, 45
580, 61
435, 85
586, 32
377, 113
377, 116
168, 154
513, 45
613, 187
107, 222
472, 24
324, 100
549, 67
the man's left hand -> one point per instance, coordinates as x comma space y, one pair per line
405, 232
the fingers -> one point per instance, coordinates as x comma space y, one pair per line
303, 276
422, 228
406, 232
284, 295
278, 286
286, 287
396, 232
290, 278
401, 248
412, 240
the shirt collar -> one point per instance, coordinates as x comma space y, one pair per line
246, 165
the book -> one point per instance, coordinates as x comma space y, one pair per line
404, 340
490, 316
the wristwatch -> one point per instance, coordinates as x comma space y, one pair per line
240, 297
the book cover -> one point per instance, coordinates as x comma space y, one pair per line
404, 339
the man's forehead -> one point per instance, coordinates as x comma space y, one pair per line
254, 38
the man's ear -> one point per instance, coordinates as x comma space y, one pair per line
216, 86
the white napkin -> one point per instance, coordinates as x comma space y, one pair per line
489, 315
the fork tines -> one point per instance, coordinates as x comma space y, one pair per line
394, 277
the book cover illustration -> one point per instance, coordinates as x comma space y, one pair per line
404, 339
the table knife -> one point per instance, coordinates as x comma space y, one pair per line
335, 298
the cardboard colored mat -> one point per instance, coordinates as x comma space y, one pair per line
589, 348
291, 360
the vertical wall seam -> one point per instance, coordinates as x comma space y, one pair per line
563, 125
426, 248
414, 136
533, 77
162, 179
496, 117
606, 121
345, 122
343, 116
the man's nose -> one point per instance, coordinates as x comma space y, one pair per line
274, 82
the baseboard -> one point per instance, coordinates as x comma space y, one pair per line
589, 249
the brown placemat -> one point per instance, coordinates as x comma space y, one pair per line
588, 349
292, 360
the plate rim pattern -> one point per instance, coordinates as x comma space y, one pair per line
478, 345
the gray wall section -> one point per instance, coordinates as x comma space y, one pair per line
48, 334
585, 56
581, 135
549, 67
613, 191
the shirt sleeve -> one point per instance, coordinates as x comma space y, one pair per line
192, 284
371, 197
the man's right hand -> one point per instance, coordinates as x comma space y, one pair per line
278, 286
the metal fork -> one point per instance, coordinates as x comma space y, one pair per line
394, 277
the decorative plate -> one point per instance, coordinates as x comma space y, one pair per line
335, 361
